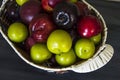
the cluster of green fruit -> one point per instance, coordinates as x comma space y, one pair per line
63, 30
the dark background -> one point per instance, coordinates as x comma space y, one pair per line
12, 67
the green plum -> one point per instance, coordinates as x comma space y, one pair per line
17, 32
96, 39
39, 53
66, 58
21, 2
73, 1
84, 48
59, 41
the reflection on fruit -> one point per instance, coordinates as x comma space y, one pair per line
66, 59
17, 32
40, 27
96, 39
29, 10
89, 26
39, 53
53, 3
59, 41
84, 48
65, 15
21, 2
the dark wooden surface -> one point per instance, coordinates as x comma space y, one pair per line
14, 68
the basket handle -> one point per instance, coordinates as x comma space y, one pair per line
96, 62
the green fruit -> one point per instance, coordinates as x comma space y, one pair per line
73, 1
96, 39
17, 32
39, 53
59, 41
84, 48
66, 59
21, 2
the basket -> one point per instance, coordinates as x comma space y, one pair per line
101, 57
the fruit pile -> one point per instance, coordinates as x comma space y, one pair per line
55, 32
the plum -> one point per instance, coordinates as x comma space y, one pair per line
29, 10
40, 27
65, 14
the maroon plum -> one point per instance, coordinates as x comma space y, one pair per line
53, 3
48, 5
40, 27
29, 10
29, 43
89, 26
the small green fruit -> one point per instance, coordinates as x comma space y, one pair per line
96, 39
39, 53
21, 2
66, 59
17, 32
59, 41
73, 1
84, 48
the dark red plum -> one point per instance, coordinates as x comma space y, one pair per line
29, 10
53, 3
89, 26
29, 43
48, 5
40, 27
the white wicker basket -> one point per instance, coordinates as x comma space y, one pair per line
101, 57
